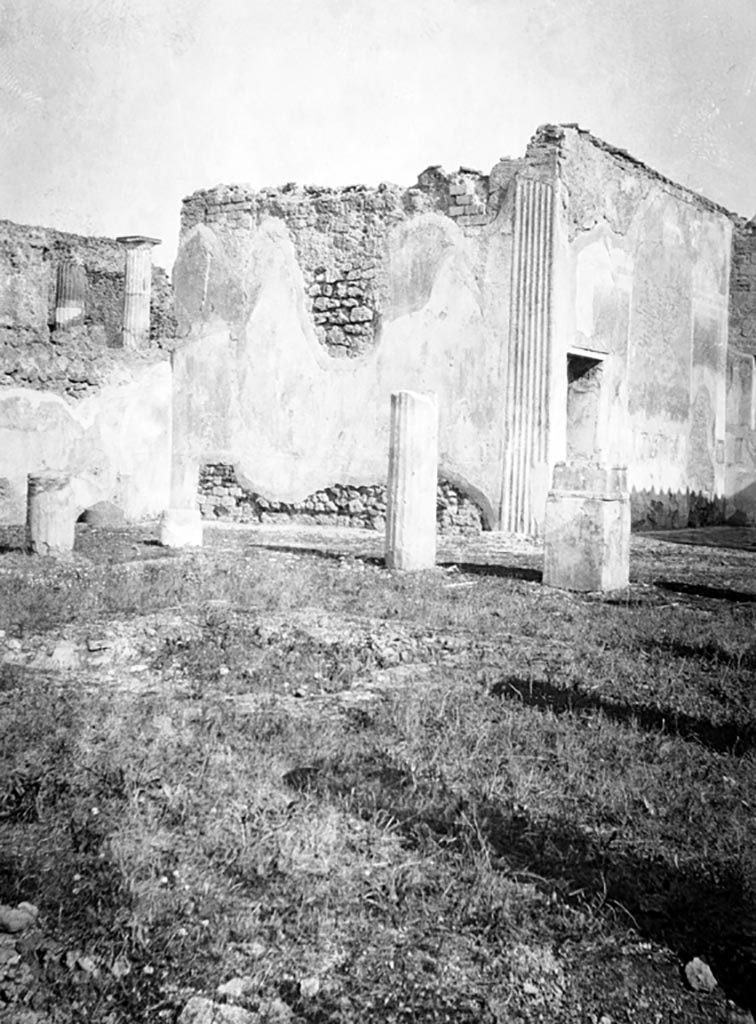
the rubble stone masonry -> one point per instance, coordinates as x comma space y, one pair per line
222, 497
71, 359
340, 237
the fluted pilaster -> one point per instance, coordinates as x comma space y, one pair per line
70, 293
529, 351
412, 476
136, 291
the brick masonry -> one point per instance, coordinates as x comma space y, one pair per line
221, 497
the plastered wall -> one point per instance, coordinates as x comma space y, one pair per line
258, 383
642, 286
572, 304
114, 442
741, 378
71, 401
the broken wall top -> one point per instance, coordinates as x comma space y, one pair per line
76, 358
552, 141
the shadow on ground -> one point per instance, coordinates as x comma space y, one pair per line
725, 738
702, 590
702, 910
512, 572
734, 537
468, 568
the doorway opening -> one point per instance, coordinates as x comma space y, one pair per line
584, 378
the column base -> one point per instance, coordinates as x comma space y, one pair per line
587, 542
411, 561
181, 528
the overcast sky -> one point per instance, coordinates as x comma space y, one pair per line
114, 110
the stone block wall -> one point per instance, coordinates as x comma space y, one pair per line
222, 497
463, 196
68, 360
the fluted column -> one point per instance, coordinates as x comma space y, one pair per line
51, 515
136, 291
70, 293
412, 476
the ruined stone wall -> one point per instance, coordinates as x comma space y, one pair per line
643, 284
70, 400
275, 288
68, 360
222, 497
341, 239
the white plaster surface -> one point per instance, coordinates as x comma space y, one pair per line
412, 475
643, 274
181, 528
51, 515
293, 419
586, 542
115, 444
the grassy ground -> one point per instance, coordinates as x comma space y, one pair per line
453, 796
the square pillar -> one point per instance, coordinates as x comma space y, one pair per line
587, 529
412, 481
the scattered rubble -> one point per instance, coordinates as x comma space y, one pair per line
699, 976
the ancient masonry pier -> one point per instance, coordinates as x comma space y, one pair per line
51, 515
412, 474
136, 292
70, 293
587, 529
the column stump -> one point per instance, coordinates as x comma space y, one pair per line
51, 515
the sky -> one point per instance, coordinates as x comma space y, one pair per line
111, 111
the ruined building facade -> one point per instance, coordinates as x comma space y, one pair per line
572, 305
